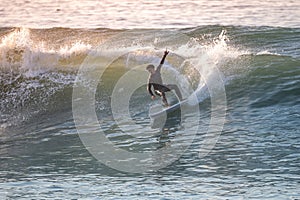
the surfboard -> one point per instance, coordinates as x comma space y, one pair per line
168, 109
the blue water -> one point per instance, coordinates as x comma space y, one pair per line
61, 86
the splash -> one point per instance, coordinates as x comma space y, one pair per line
28, 55
206, 58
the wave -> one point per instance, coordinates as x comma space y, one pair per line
39, 66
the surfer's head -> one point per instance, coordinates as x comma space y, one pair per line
150, 68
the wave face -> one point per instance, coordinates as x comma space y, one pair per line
38, 66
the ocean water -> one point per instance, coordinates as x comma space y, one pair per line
74, 107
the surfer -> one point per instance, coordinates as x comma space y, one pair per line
155, 80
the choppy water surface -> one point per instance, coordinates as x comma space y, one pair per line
145, 14
257, 154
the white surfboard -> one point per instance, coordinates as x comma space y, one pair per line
168, 109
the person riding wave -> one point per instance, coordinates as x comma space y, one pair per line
155, 81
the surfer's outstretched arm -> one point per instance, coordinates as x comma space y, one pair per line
162, 60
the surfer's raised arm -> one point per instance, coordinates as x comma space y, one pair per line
162, 60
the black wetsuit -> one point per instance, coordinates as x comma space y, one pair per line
155, 80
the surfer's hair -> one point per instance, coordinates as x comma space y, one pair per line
150, 67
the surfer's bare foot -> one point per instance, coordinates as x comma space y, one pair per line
166, 105
165, 102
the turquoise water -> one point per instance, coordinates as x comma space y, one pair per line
49, 75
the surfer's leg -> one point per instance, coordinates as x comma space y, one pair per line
164, 99
177, 91
157, 92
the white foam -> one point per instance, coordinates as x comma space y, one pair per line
20, 53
